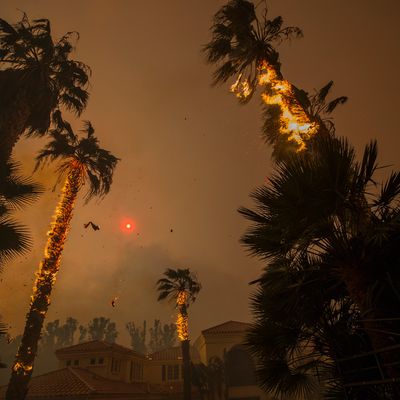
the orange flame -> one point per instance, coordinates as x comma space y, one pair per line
182, 323
294, 122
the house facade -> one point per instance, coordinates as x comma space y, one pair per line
101, 370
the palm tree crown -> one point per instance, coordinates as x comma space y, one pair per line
42, 69
178, 281
96, 164
242, 41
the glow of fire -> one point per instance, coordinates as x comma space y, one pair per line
294, 123
182, 325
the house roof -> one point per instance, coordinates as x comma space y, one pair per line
68, 382
173, 353
96, 346
228, 327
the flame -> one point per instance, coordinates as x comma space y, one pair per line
241, 88
294, 122
182, 323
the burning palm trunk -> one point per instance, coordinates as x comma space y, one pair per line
183, 335
182, 319
294, 122
46, 276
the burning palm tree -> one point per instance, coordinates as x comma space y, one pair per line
182, 287
242, 46
84, 162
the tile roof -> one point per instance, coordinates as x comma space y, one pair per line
228, 327
97, 346
79, 381
172, 353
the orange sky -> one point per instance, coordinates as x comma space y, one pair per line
190, 153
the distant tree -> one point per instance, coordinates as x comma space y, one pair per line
66, 333
182, 287
101, 328
83, 162
168, 335
37, 76
162, 336
82, 333
138, 336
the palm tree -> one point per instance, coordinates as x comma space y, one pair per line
320, 205
83, 162
243, 46
182, 287
242, 42
15, 193
37, 76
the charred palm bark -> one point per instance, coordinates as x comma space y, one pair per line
46, 276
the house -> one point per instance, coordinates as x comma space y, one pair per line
101, 370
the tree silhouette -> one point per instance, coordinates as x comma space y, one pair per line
37, 76
319, 218
138, 336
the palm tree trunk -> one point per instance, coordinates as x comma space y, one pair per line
183, 335
40, 300
187, 387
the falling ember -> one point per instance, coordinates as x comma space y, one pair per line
294, 123
182, 319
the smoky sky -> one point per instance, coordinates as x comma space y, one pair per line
190, 154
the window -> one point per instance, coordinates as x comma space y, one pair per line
176, 371
173, 372
76, 362
92, 361
115, 365
68, 363
163, 377
169, 372
101, 360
